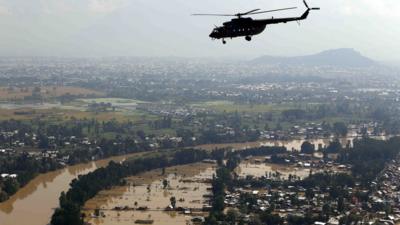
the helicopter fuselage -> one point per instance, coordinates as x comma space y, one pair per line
239, 27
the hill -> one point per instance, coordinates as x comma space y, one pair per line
344, 57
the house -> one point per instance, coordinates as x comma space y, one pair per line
333, 221
6, 175
198, 219
319, 223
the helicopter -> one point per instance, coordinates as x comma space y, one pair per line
248, 27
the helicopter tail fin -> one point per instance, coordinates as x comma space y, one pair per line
305, 15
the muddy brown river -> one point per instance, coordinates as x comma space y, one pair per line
34, 204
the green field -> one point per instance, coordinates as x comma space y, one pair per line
114, 101
228, 106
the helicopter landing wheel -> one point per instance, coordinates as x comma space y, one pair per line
223, 42
248, 38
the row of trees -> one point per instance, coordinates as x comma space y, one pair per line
368, 157
262, 151
334, 147
224, 180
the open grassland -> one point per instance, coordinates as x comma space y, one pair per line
113, 101
56, 114
47, 92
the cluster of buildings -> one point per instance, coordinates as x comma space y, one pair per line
287, 202
178, 111
308, 130
381, 207
385, 198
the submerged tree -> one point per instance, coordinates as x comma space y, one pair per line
173, 201
165, 183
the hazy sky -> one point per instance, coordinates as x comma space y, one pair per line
165, 28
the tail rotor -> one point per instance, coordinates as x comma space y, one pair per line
315, 8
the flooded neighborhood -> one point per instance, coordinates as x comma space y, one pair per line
178, 195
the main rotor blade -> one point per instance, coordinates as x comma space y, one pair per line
275, 10
212, 15
305, 3
251, 11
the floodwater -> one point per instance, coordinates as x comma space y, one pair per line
290, 145
34, 203
186, 183
258, 167
247, 168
